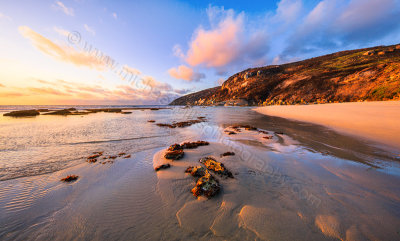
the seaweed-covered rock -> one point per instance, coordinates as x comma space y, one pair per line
198, 171
206, 185
70, 178
174, 155
163, 166
217, 167
22, 113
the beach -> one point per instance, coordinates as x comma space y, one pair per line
289, 181
377, 121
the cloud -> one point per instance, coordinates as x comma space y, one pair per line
62, 53
335, 24
185, 73
156, 85
49, 91
3, 16
11, 94
131, 70
89, 29
114, 15
288, 11
68, 11
62, 32
229, 42
1, 85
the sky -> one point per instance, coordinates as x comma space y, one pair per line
152, 51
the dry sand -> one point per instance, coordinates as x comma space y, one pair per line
378, 121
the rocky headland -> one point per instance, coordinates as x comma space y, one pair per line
371, 74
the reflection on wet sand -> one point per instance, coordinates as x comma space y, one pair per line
306, 182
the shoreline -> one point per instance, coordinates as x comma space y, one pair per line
377, 121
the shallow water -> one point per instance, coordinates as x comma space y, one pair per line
311, 183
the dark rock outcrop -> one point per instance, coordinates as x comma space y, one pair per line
23, 113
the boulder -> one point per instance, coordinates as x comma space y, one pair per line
198, 171
22, 113
207, 186
174, 155
215, 166
175, 147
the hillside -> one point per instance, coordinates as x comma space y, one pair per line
347, 76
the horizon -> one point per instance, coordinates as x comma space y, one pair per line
151, 52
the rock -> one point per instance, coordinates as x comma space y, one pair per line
175, 147
267, 137
112, 157
278, 133
96, 155
59, 112
369, 53
70, 178
198, 171
237, 102
192, 145
43, 110
201, 117
174, 155
93, 160
151, 121
121, 154
127, 156
22, 113
206, 185
228, 154
165, 125
215, 166
180, 124
263, 132
126, 112
381, 52
163, 166
397, 46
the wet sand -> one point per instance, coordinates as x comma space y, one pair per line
281, 192
377, 121
297, 185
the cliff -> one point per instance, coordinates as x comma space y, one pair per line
347, 76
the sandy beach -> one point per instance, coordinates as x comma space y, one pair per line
289, 180
377, 121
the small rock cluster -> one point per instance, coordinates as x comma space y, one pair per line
96, 155
206, 184
175, 151
70, 178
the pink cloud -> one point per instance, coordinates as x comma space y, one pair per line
185, 73
216, 47
62, 53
